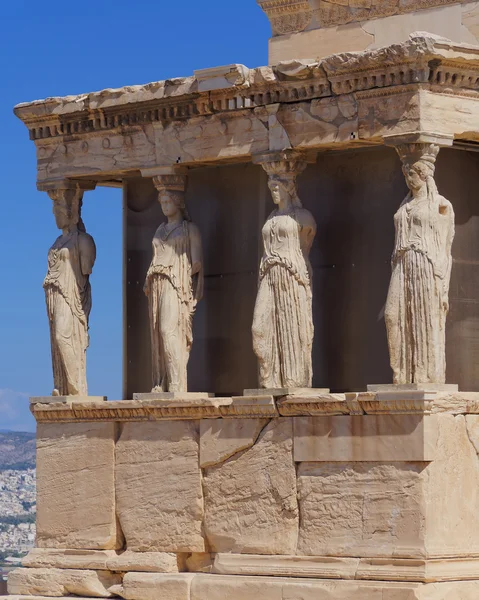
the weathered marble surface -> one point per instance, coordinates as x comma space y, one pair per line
75, 486
174, 283
68, 559
156, 586
401, 88
159, 488
258, 487
221, 439
185, 586
292, 16
283, 328
333, 26
219, 587
68, 293
62, 582
359, 519
150, 562
366, 438
418, 299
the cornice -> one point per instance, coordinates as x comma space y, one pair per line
426, 60
367, 403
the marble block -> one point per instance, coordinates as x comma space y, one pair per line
158, 486
150, 562
66, 399
178, 396
365, 438
157, 586
235, 587
68, 559
62, 582
221, 439
279, 392
251, 499
420, 505
76, 486
414, 387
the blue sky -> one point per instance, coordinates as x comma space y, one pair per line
57, 49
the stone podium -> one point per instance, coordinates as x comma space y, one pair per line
349, 494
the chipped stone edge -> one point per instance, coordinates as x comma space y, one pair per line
423, 59
368, 403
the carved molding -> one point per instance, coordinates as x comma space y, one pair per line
62, 185
370, 403
287, 16
444, 66
287, 164
173, 178
330, 13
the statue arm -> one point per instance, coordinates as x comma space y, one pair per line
196, 249
308, 230
449, 212
87, 253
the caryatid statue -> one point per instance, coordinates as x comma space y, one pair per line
418, 299
68, 293
174, 285
283, 321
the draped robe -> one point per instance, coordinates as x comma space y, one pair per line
172, 297
417, 303
283, 324
68, 299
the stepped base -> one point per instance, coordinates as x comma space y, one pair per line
190, 586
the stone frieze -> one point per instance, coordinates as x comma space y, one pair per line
294, 16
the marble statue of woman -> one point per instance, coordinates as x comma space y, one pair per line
418, 303
174, 285
68, 294
283, 323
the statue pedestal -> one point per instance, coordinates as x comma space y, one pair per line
413, 387
186, 396
279, 392
66, 399
329, 496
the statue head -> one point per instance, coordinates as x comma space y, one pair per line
282, 175
419, 165
173, 203
67, 207
283, 189
171, 194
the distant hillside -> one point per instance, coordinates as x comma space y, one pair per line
17, 450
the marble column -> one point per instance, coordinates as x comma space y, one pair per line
418, 299
67, 288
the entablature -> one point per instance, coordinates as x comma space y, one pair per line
231, 113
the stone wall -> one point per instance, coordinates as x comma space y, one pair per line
366, 496
340, 12
318, 28
353, 197
290, 16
